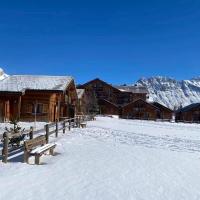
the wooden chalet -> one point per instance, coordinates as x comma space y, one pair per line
41, 98
163, 112
110, 98
190, 113
141, 109
102, 90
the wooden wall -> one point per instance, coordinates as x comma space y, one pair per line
163, 112
31, 100
103, 90
107, 108
139, 110
189, 116
9, 106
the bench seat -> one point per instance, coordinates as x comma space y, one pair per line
83, 125
41, 149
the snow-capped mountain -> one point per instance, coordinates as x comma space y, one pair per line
3, 75
171, 92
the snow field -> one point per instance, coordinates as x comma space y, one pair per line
112, 159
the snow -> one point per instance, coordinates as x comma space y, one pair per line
172, 93
112, 159
20, 83
2, 74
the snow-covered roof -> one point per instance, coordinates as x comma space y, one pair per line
80, 93
133, 89
20, 83
2, 74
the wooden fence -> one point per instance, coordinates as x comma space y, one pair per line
48, 130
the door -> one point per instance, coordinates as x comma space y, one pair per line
1, 112
71, 112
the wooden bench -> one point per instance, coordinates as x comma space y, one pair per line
83, 125
37, 147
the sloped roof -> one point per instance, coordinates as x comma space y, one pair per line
105, 100
133, 89
160, 106
20, 83
142, 101
189, 107
103, 82
80, 93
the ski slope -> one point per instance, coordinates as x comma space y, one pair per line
112, 159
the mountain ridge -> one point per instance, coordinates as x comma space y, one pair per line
171, 92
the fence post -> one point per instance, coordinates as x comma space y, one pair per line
76, 121
69, 124
56, 128
31, 133
79, 121
64, 126
5, 148
47, 133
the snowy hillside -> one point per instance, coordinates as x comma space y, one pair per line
111, 159
171, 92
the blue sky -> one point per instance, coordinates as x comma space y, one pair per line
118, 41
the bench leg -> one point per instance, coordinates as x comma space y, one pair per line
26, 157
51, 151
37, 159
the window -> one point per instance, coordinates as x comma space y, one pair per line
40, 108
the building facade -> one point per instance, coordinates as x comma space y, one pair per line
141, 109
190, 113
40, 98
110, 98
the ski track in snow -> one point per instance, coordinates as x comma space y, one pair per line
130, 138
171, 142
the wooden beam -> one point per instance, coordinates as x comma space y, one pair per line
19, 106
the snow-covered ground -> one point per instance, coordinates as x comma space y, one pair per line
112, 159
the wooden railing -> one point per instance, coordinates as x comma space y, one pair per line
48, 130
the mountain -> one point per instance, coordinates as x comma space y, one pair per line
3, 75
170, 92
